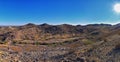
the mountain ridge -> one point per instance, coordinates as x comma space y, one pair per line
32, 31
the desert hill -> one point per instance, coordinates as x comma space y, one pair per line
45, 31
60, 43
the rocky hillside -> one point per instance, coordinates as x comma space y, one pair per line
45, 31
60, 43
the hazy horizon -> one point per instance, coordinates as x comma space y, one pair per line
57, 24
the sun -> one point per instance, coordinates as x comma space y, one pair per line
117, 7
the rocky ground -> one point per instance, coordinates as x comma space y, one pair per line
102, 51
60, 43
40, 53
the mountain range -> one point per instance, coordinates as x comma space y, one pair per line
45, 31
60, 43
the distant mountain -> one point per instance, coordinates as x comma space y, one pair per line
116, 26
45, 31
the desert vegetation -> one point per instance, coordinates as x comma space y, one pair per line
60, 43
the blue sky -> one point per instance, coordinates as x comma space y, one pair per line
19, 12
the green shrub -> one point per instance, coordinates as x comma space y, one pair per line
87, 42
3, 42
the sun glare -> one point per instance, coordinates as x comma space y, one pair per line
117, 8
